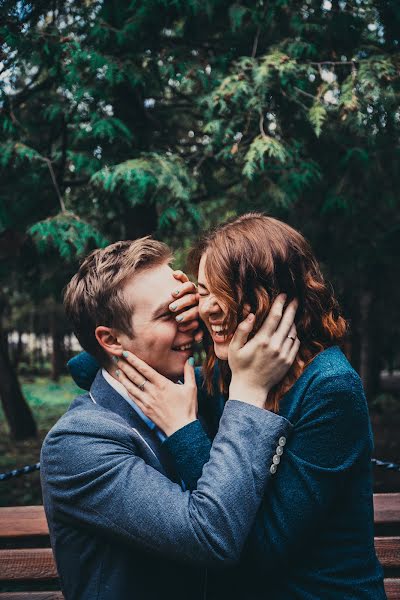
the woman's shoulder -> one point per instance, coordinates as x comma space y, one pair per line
328, 385
331, 370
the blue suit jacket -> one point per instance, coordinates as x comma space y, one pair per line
120, 527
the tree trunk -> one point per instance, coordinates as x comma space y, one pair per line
16, 409
370, 364
364, 335
57, 356
58, 350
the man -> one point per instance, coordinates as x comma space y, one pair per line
121, 525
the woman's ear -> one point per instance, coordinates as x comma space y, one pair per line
108, 340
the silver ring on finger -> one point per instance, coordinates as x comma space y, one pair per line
291, 338
141, 386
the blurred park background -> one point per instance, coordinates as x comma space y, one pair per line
122, 119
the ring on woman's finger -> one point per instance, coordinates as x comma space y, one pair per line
141, 386
291, 338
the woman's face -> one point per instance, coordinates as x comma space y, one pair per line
212, 313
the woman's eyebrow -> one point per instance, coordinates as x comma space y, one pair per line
200, 284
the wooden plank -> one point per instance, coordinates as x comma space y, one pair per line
392, 589
35, 563
386, 508
388, 551
32, 596
23, 521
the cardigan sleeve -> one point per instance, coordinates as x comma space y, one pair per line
190, 449
331, 443
190, 446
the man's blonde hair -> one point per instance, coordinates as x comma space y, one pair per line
94, 296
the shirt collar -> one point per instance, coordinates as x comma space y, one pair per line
119, 388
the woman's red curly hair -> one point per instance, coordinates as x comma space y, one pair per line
253, 258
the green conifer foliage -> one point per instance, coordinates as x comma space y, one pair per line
120, 119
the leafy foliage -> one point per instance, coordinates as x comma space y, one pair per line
162, 116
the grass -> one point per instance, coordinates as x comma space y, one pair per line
48, 401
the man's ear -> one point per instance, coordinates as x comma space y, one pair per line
108, 340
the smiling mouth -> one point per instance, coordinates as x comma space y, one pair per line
183, 347
219, 334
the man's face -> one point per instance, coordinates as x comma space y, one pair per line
156, 338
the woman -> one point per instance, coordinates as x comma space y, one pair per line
313, 537
314, 531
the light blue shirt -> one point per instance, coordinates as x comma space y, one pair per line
118, 387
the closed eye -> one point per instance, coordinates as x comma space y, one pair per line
166, 315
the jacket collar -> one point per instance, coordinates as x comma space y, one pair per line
102, 393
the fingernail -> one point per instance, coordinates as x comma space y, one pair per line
176, 292
125, 354
118, 372
173, 306
179, 318
250, 317
191, 361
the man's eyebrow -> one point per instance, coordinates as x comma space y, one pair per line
160, 310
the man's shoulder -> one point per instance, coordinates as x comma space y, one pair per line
84, 422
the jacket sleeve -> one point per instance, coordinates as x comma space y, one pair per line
330, 444
95, 479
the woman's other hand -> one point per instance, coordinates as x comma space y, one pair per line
260, 363
169, 405
185, 305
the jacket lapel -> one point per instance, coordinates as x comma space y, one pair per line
102, 393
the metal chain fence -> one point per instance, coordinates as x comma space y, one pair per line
389, 466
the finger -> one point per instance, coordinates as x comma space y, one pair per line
294, 351
185, 288
190, 314
131, 373
273, 319
143, 368
137, 395
198, 336
188, 372
288, 342
190, 326
287, 320
242, 333
185, 301
180, 276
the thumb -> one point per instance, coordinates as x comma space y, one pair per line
242, 332
188, 372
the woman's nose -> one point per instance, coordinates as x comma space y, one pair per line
211, 306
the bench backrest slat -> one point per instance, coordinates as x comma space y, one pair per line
386, 509
22, 521
27, 564
20, 525
32, 596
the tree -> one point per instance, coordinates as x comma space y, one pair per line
123, 119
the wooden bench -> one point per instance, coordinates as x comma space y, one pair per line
26, 557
